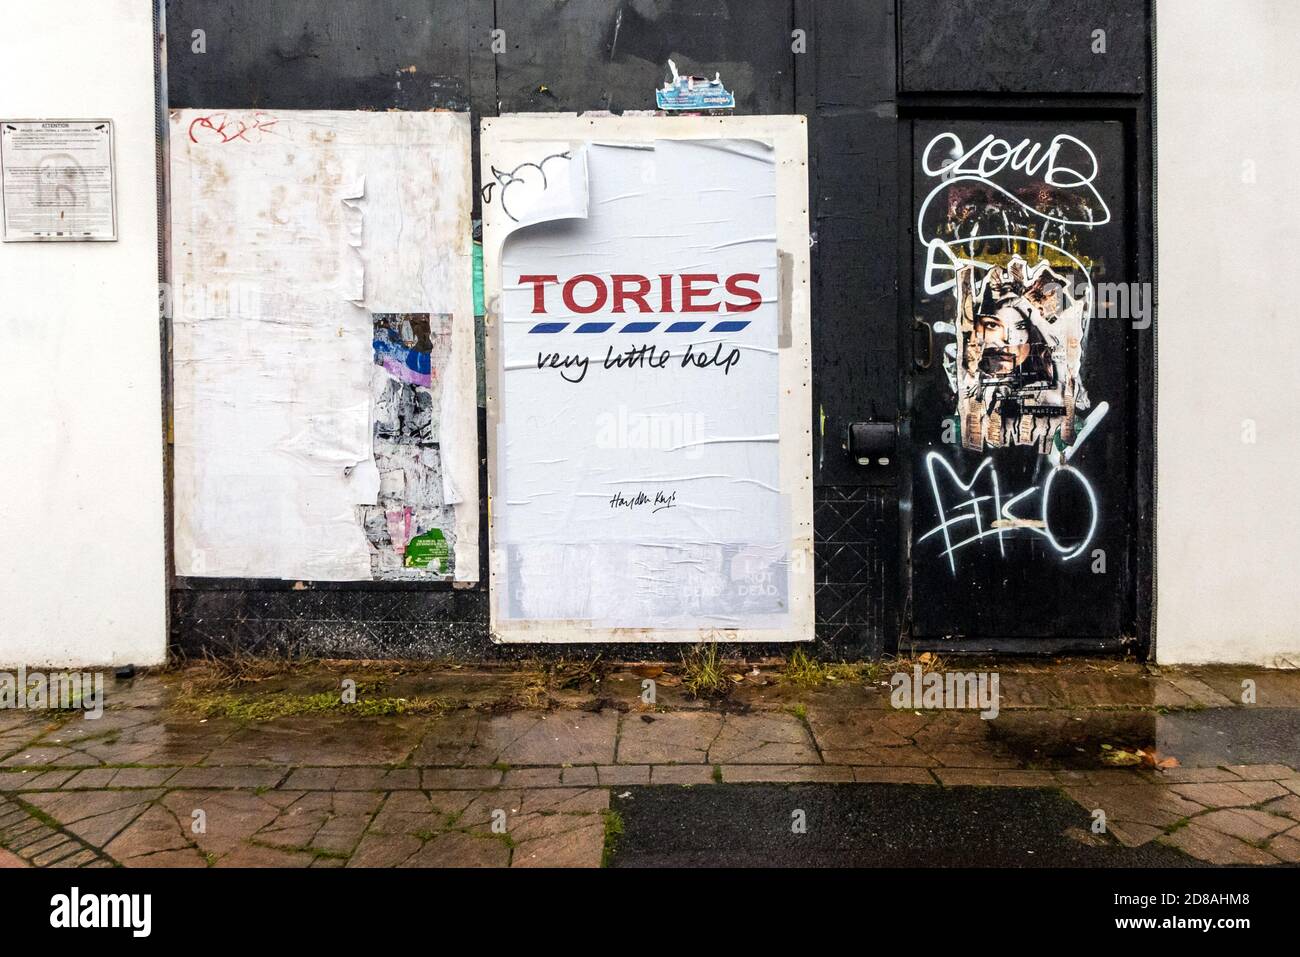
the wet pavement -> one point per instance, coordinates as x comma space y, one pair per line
1087, 762
867, 825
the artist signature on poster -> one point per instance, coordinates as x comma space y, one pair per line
655, 503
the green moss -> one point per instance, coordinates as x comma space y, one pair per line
39, 815
256, 707
613, 834
331, 855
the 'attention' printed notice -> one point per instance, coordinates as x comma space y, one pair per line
56, 178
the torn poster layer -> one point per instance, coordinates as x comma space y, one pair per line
649, 477
323, 346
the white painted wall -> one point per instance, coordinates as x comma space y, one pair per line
82, 572
1228, 511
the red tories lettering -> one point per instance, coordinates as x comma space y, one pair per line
627, 292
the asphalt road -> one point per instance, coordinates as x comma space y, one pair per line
1219, 736
864, 825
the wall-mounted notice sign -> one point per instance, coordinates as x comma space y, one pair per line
649, 403
56, 179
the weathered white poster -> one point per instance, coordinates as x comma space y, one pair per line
648, 386
56, 180
323, 352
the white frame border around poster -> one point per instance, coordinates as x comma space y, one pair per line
789, 137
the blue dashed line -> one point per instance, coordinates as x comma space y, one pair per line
727, 325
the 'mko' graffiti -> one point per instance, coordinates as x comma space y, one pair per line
970, 518
666, 293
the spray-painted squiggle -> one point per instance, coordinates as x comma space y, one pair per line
525, 178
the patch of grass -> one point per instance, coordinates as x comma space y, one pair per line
805, 671
717, 774
255, 707
236, 667
573, 675
531, 690
928, 660
702, 673
613, 834
799, 711
534, 684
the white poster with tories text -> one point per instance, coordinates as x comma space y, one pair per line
648, 391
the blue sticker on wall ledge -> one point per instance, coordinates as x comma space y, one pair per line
693, 93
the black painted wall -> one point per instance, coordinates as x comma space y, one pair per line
870, 68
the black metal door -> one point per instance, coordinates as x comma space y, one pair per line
1020, 465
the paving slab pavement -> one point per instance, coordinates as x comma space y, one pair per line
450, 766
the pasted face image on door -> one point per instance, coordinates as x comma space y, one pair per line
1020, 477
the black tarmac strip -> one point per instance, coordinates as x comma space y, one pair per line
865, 825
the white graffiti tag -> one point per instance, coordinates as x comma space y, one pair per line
1001, 518
984, 161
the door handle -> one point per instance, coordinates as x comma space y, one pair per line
917, 326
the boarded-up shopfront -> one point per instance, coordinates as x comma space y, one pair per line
838, 359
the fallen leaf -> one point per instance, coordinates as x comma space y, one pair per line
1121, 759
1153, 757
